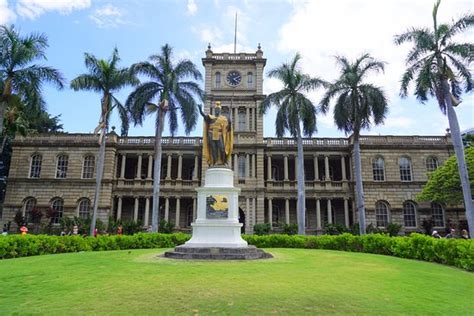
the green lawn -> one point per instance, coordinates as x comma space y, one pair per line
296, 281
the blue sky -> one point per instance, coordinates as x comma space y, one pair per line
317, 29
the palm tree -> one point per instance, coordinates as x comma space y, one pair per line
358, 105
106, 78
20, 78
171, 87
439, 66
294, 110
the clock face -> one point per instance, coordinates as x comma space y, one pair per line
234, 78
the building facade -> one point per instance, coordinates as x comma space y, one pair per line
58, 171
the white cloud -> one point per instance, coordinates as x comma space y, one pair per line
34, 8
319, 30
6, 14
107, 16
191, 7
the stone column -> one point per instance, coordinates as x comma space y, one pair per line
316, 168
236, 119
254, 171
167, 209
269, 167
180, 166
135, 209
329, 212
254, 211
247, 166
247, 211
119, 208
247, 117
326, 168
346, 212
236, 166
122, 167
343, 167
147, 211
196, 167
194, 208
139, 167
285, 167
270, 212
168, 167
287, 211
178, 212
150, 167
318, 213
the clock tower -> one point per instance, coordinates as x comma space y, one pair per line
236, 80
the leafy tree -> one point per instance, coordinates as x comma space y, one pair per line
173, 88
21, 80
358, 106
439, 66
294, 110
106, 78
444, 184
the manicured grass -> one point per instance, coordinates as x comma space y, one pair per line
296, 281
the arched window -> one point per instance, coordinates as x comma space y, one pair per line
250, 80
83, 208
381, 214
88, 167
409, 214
378, 169
61, 166
241, 167
57, 205
437, 214
35, 169
242, 120
405, 169
28, 205
218, 79
431, 164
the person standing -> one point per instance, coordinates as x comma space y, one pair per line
5, 230
23, 230
451, 233
464, 234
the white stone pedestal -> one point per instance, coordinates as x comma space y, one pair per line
217, 223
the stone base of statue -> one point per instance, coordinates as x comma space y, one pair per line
216, 231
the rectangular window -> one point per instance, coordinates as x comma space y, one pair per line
61, 170
35, 169
242, 167
88, 167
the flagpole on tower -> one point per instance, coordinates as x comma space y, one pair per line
235, 34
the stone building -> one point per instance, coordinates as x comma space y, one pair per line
58, 171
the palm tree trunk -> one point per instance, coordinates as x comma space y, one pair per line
157, 171
301, 204
98, 179
359, 189
459, 150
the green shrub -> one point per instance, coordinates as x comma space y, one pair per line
165, 227
393, 229
454, 252
261, 229
290, 229
334, 229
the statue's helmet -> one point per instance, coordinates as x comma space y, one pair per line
218, 105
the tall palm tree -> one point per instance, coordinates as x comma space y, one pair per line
357, 106
294, 110
173, 88
439, 66
106, 78
19, 76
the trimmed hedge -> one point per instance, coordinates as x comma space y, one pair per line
454, 252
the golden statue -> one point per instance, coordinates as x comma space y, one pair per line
218, 137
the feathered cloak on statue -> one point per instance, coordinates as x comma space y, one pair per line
227, 137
